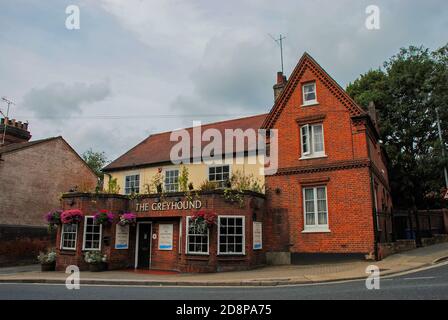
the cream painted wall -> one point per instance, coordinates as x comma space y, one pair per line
198, 173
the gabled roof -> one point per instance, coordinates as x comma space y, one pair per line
17, 147
306, 61
157, 147
22, 145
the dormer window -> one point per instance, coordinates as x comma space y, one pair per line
309, 93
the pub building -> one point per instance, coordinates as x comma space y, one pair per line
320, 203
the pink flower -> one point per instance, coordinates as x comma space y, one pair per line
71, 216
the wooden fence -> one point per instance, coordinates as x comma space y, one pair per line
410, 225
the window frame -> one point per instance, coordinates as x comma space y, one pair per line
309, 102
243, 236
62, 237
131, 175
217, 166
310, 153
84, 235
187, 237
316, 227
164, 179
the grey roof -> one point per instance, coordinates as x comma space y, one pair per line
22, 145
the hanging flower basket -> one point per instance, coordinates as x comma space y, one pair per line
203, 220
71, 216
127, 219
53, 218
103, 217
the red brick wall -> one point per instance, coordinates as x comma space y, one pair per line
165, 259
89, 204
175, 259
22, 244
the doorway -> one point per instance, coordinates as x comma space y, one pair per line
143, 245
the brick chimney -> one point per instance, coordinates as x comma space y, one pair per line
13, 131
373, 113
280, 85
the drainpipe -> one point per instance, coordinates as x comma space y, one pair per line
374, 215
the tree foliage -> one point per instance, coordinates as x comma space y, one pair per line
95, 160
407, 91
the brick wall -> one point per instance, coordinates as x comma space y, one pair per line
346, 170
33, 178
22, 244
176, 259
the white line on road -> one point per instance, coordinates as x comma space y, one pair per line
419, 278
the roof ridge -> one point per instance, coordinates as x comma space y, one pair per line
209, 124
299, 68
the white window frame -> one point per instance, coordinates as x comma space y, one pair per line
130, 175
244, 237
84, 235
164, 179
316, 227
310, 153
62, 238
309, 102
217, 166
187, 237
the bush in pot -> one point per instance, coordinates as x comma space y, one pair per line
96, 260
47, 260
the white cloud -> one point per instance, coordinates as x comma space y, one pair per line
58, 99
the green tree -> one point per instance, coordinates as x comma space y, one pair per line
407, 90
95, 160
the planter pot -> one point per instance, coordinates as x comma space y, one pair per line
48, 266
97, 267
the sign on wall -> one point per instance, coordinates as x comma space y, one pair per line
168, 205
122, 237
165, 237
257, 235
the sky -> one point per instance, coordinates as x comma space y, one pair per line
137, 67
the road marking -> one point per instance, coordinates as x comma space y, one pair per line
419, 278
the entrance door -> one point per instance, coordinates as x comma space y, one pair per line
144, 245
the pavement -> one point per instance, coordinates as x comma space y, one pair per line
266, 276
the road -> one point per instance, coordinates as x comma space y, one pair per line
425, 284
